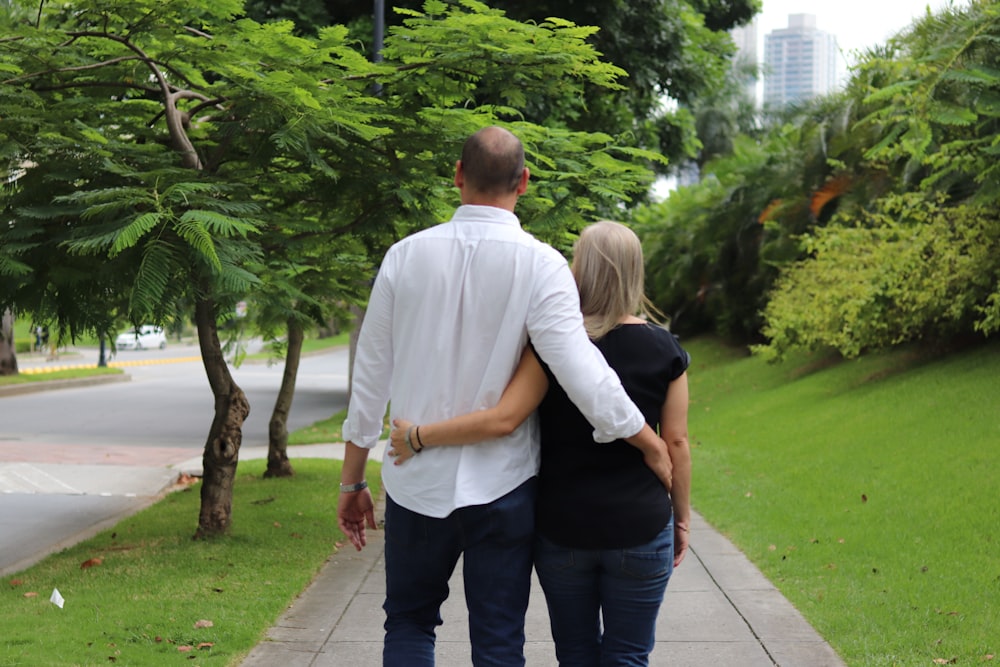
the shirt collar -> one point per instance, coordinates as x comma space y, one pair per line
490, 214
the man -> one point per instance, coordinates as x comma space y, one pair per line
450, 312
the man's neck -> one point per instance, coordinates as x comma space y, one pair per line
506, 203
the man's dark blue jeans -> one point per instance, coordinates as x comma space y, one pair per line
421, 552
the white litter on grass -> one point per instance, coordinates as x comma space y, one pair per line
56, 598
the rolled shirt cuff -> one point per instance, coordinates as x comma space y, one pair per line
352, 435
629, 427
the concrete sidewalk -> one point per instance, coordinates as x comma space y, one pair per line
719, 610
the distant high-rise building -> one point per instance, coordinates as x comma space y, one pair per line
800, 62
745, 39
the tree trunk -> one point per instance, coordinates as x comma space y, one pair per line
277, 429
222, 448
8, 348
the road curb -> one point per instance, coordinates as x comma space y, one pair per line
47, 385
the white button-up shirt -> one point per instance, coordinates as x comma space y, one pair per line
450, 313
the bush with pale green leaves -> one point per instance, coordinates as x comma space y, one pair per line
914, 269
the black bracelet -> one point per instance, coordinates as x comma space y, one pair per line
419, 441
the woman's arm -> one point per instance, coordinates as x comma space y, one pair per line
522, 395
526, 390
673, 426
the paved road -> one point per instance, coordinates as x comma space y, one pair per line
76, 460
166, 402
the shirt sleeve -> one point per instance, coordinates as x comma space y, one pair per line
373, 359
683, 360
555, 327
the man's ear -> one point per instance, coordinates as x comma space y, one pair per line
459, 176
522, 186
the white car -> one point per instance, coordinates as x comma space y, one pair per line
145, 337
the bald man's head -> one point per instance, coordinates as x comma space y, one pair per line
493, 162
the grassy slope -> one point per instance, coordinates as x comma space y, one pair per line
865, 490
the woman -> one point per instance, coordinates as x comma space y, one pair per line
609, 533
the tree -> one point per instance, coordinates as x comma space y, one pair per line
671, 49
402, 181
8, 357
307, 15
174, 152
143, 138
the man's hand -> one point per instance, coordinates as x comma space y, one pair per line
354, 511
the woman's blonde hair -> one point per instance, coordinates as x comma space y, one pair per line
609, 272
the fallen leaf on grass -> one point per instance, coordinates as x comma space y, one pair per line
185, 648
945, 661
186, 479
31, 594
203, 645
277, 524
864, 498
92, 562
988, 656
16, 582
203, 623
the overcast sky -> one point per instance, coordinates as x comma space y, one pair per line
857, 24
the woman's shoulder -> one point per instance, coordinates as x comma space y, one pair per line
648, 338
644, 329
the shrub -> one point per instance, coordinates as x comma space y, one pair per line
913, 269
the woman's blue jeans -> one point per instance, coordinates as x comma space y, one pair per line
421, 552
624, 587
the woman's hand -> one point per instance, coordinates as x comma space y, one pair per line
399, 452
682, 538
658, 460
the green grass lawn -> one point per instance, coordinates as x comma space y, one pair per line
145, 603
309, 345
67, 374
865, 490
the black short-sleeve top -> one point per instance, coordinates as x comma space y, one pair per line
602, 495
